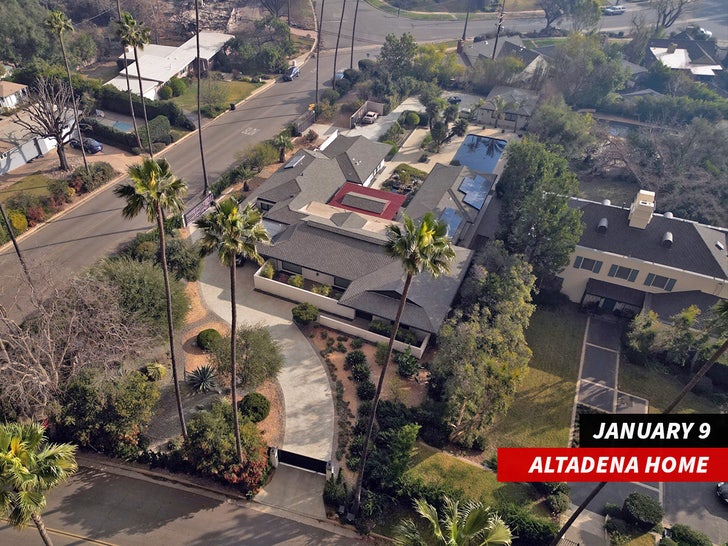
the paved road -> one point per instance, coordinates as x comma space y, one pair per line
121, 509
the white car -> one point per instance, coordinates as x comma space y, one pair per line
614, 10
703, 34
369, 117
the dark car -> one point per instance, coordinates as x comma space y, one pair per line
454, 99
292, 72
722, 491
90, 145
239, 260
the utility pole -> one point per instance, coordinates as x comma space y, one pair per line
498, 29
11, 232
467, 16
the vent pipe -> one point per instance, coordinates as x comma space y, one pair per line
668, 214
602, 225
666, 240
606, 202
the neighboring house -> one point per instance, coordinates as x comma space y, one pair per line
520, 105
533, 62
630, 259
473, 51
331, 230
11, 94
681, 52
18, 146
158, 64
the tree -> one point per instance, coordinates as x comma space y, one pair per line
22, 32
556, 123
283, 143
338, 39
58, 23
49, 101
553, 10
424, 246
398, 54
30, 466
669, 11
469, 524
274, 7
136, 36
353, 35
157, 191
233, 232
536, 219
585, 14
199, 94
128, 82
500, 106
439, 133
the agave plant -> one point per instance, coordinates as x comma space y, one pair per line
202, 379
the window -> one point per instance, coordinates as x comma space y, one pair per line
623, 272
341, 283
658, 281
510, 117
293, 268
587, 263
264, 205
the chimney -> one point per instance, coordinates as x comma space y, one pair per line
671, 48
602, 226
666, 240
641, 210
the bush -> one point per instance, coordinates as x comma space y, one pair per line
616, 526
183, 259
335, 490
207, 339
407, 364
305, 313
613, 510
60, 191
381, 354
179, 86
18, 221
666, 541
202, 379
255, 406
343, 86
321, 289
354, 358
296, 280
329, 96
366, 390
357, 343
311, 136
366, 66
154, 371
552, 488
558, 503
352, 74
268, 271
642, 512
530, 530
687, 536
360, 372
412, 119
165, 92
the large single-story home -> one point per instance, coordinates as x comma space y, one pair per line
682, 52
519, 107
11, 94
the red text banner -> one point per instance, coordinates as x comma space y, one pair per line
612, 464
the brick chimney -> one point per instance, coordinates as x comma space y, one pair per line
642, 209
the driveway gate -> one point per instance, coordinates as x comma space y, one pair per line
302, 461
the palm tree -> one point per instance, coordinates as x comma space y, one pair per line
233, 232
338, 38
420, 247
30, 466
199, 92
720, 322
156, 190
471, 524
499, 105
283, 144
136, 35
318, 51
353, 35
128, 85
58, 23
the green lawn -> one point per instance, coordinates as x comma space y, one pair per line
540, 415
533, 43
660, 389
236, 91
35, 184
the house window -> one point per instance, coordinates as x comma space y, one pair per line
265, 205
510, 117
293, 268
341, 282
623, 272
658, 281
587, 263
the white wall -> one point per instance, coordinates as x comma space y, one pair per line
300, 295
371, 336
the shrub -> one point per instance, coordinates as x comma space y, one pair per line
366, 66
530, 530
407, 364
329, 96
666, 541
352, 74
687, 536
154, 371
296, 280
360, 372
366, 390
18, 221
341, 347
321, 289
552, 488
354, 358
642, 512
343, 86
381, 354
202, 379
335, 490
311, 136
412, 119
255, 406
305, 313
165, 92
60, 191
558, 503
613, 510
616, 526
357, 343
178, 85
208, 338
268, 271
146, 250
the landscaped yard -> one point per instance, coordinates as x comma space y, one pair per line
35, 184
236, 91
540, 415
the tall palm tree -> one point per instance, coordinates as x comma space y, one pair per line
156, 190
318, 50
720, 322
128, 85
338, 38
471, 524
420, 247
58, 23
283, 144
199, 93
500, 105
30, 466
353, 34
233, 232
136, 36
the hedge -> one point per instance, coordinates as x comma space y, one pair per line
115, 100
687, 536
642, 512
113, 136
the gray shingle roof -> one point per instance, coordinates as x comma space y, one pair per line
510, 49
357, 157
693, 247
525, 99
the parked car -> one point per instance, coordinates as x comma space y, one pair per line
239, 260
614, 10
454, 99
722, 491
369, 117
291, 72
703, 34
90, 145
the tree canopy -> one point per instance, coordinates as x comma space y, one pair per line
556, 123
398, 54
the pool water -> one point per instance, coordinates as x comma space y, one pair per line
123, 126
479, 153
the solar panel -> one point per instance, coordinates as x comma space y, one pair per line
293, 162
452, 219
365, 202
475, 190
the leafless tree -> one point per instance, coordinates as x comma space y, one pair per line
274, 7
49, 114
669, 11
78, 326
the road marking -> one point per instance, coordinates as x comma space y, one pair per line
79, 537
250, 131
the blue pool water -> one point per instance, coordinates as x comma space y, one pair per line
123, 126
479, 153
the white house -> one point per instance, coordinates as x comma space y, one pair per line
11, 94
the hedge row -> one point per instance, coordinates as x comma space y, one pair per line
115, 100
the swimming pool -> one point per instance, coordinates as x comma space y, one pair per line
479, 153
123, 126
